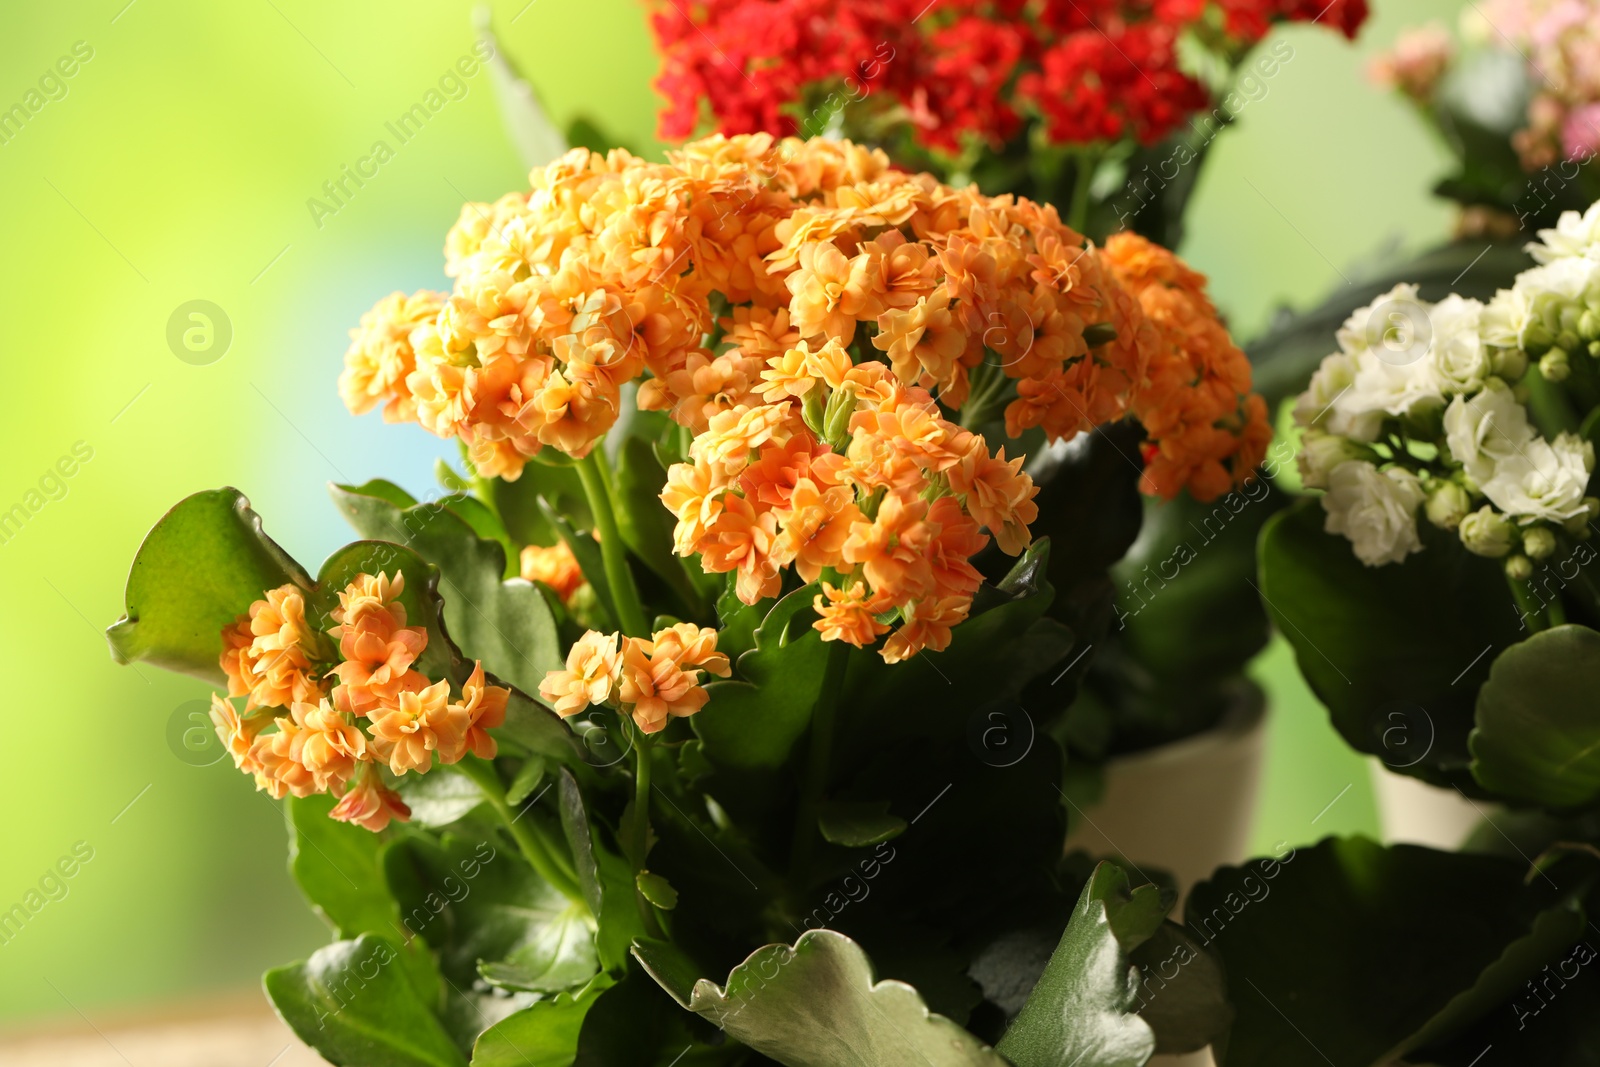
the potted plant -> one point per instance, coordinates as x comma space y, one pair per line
999, 95
688, 692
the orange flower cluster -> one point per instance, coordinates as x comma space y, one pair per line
362, 669
611, 267
1206, 431
851, 475
649, 679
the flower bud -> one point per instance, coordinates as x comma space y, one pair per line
1554, 366
1538, 542
1321, 452
1508, 363
1578, 525
836, 418
1447, 505
1519, 568
1589, 325
1486, 533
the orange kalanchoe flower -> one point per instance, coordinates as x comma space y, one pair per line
370, 804
589, 678
269, 654
381, 356
648, 679
1206, 430
376, 645
556, 567
321, 745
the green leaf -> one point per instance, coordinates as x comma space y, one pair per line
1396, 653
537, 140
816, 1005
672, 969
339, 867
1537, 737
1183, 993
528, 778
657, 890
1081, 1012
590, 560
487, 913
752, 725
603, 876
440, 798
504, 623
1357, 954
198, 569
859, 824
645, 523
350, 1002
544, 1034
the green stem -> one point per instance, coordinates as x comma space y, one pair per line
818, 760
1531, 612
624, 594
539, 853
640, 830
1083, 166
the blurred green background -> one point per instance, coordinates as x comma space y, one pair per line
177, 167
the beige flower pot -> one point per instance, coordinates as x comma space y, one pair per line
1415, 813
1186, 808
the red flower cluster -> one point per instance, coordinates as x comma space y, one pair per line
1089, 70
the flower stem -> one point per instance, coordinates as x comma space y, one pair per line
640, 830
818, 760
1532, 613
624, 594
1083, 167
539, 853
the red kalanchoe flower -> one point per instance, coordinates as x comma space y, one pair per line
955, 71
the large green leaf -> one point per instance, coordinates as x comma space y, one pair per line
1082, 1010
1354, 953
504, 623
339, 867
1538, 737
753, 724
541, 1035
604, 877
1396, 653
535, 137
198, 569
487, 913
816, 1005
351, 1002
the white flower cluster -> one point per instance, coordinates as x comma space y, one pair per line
1420, 406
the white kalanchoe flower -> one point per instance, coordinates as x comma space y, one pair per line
1322, 404
1483, 429
1321, 452
1575, 235
1543, 480
1486, 533
1393, 341
1376, 510
1556, 295
1458, 356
